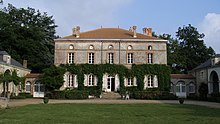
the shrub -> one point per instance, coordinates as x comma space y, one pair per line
22, 96
58, 95
93, 91
156, 95
203, 91
76, 94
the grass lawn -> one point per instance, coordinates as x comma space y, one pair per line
110, 114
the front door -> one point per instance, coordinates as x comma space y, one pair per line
38, 89
110, 83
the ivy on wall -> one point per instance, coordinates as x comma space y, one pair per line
138, 71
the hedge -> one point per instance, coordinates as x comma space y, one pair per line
153, 95
22, 96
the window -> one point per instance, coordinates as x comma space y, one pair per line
201, 74
38, 87
110, 58
130, 82
150, 47
28, 87
130, 58
70, 58
180, 87
150, 58
70, 80
71, 47
150, 81
91, 81
91, 47
129, 47
191, 88
91, 58
110, 47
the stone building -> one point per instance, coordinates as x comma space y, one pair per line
208, 73
183, 85
110, 46
8, 64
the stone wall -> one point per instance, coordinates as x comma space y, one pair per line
101, 50
3, 102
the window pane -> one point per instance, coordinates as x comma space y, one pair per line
130, 58
177, 88
70, 58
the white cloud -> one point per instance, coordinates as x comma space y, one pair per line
210, 26
88, 14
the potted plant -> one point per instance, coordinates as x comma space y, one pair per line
46, 100
181, 100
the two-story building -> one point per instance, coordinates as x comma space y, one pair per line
110, 46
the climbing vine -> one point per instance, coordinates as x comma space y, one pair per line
138, 71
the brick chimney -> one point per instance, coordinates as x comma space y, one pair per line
134, 30
130, 29
25, 63
149, 32
144, 31
76, 31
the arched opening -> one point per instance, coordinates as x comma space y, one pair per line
28, 87
38, 89
180, 89
215, 81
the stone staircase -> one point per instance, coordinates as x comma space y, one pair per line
111, 95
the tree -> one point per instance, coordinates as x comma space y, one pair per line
192, 47
6, 78
28, 34
53, 77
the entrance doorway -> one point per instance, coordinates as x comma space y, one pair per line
38, 89
110, 83
215, 80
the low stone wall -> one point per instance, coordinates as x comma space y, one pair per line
3, 102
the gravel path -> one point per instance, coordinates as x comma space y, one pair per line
23, 102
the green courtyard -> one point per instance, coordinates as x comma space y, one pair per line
110, 114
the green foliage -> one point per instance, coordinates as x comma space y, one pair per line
15, 79
156, 95
203, 91
138, 71
28, 34
191, 43
22, 96
53, 77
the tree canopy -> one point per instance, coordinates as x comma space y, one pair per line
28, 34
53, 77
188, 50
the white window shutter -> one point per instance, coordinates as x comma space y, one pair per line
135, 81
145, 81
85, 80
75, 81
125, 82
65, 76
155, 81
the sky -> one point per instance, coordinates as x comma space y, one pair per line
163, 16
